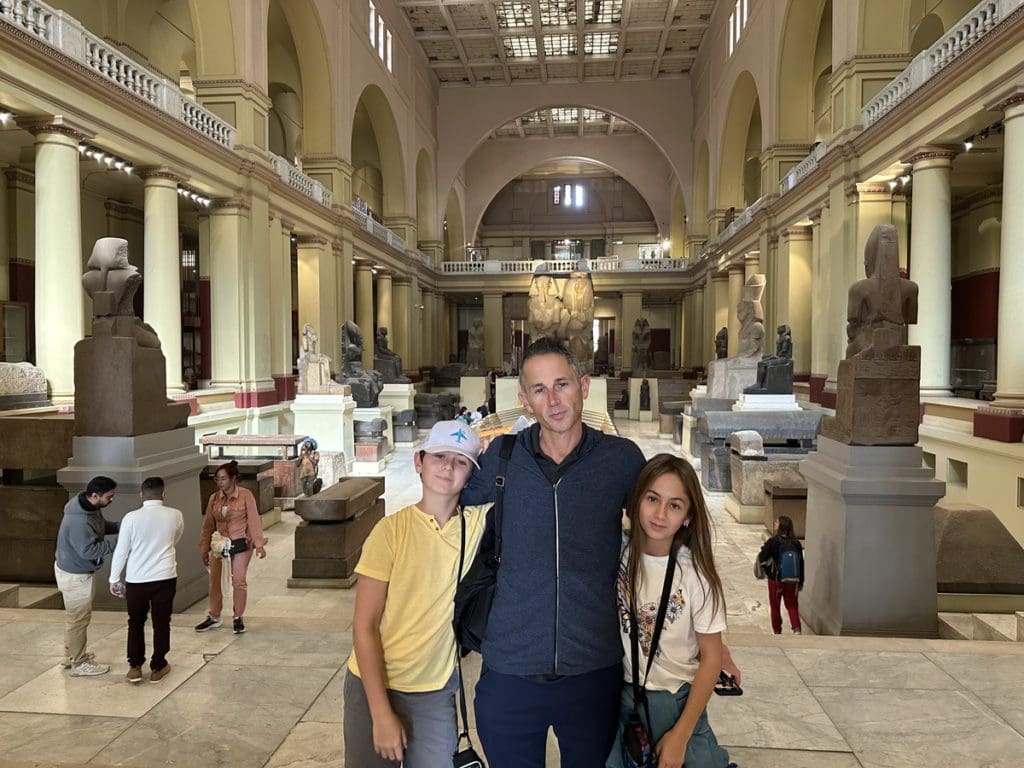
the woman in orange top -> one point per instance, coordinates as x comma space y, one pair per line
232, 512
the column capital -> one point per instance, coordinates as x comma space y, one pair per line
493, 294
19, 176
739, 266
363, 266
401, 280
229, 203
752, 256
931, 157
815, 216
39, 125
797, 233
861, 189
1008, 101
159, 173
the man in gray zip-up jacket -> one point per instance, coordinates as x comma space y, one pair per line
81, 547
552, 655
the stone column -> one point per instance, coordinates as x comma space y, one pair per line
426, 329
316, 295
736, 280
632, 310
161, 278
5, 254
684, 328
59, 298
399, 335
710, 329
931, 267
440, 316
494, 326
364, 309
281, 352
453, 329
384, 309
698, 330
346, 279
1010, 361
793, 306
226, 311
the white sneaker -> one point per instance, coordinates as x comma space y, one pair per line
87, 657
88, 668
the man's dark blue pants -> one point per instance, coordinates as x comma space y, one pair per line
513, 715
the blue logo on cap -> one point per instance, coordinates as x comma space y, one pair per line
459, 436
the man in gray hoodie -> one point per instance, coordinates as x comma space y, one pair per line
81, 546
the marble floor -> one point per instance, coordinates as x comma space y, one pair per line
272, 697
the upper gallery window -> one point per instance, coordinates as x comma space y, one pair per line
737, 22
568, 195
380, 38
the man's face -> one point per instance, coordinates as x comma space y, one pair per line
101, 499
552, 393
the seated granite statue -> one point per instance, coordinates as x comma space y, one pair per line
475, 349
388, 363
722, 343
365, 385
729, 377
775, 372
878, 383
120, 372
315, 368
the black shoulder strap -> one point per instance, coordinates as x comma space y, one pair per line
461, 729
508, 443
634, 637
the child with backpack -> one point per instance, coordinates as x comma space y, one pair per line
672, 615
782, 558
401, 682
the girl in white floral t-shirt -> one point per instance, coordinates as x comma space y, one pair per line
670, 524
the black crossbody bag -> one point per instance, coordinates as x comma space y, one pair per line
637, 744
475, 593
463, 758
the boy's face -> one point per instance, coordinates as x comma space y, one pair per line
446, 472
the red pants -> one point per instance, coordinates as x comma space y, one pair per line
779, 590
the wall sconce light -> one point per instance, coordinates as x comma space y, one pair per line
105, 158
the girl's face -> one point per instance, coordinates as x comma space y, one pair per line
664, 509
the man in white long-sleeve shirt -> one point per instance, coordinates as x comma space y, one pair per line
146, 544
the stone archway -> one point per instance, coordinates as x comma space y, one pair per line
733, 152
677, 228
803, 57
454, 228
216, 47
376, 144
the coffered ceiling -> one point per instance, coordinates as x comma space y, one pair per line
471, 43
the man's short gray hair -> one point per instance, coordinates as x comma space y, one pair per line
548, 345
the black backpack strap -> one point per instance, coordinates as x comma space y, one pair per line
508, 443
461, 729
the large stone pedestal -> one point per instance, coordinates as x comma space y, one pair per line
728, 378
870, 547
171, 455
473, 392
364, 464
401, 397
327, 419
636, 413
766, 403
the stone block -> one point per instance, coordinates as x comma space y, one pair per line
27, 560
773, 426
715, 468
788, 500
286, 478
728, 378
371, 450
325, 567
878, 399
31, 512
405, 434
36, 442
342, 501
334, 540
974, 553
749, 475
1004, 425
747, 443
333, 468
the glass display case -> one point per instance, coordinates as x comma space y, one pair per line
13, 332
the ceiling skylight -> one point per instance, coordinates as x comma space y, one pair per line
519, 47
511, 15
594, 116
604, 12
555, 13
559, 45
600, 42
564, 114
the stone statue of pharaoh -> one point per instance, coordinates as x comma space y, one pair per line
388, 363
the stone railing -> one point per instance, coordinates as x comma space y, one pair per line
378, 230
549, 266
296, 179
804, 168
982, 19
742, 220
66, 34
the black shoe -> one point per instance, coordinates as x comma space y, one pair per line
239, 626
208, 623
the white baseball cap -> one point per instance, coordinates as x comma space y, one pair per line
455, 436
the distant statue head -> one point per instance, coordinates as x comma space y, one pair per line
109, 271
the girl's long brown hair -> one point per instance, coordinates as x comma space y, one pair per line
696, 536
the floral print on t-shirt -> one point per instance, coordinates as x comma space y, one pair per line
647, 612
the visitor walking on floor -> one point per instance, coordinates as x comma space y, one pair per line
146, 545
81, 547
231, 511
782, 558
401, 680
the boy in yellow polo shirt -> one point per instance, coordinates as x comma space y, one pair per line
401, 682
